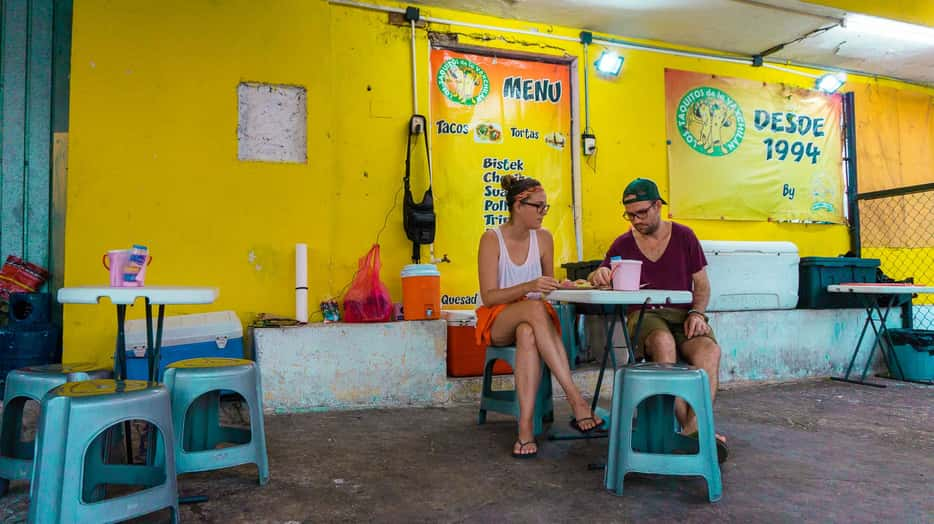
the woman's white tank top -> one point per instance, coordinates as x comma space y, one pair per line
510, 274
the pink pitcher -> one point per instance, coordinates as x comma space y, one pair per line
115, 260
627, 275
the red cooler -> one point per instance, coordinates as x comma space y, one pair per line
465, 357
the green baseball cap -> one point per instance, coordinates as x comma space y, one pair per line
641, 190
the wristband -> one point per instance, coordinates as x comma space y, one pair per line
696, 312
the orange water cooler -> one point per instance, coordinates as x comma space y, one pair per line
421, 292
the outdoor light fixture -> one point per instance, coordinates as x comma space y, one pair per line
830, 82
889, 28
609, 63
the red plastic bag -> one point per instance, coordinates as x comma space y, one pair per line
368, 299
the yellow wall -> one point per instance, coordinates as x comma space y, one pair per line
153, 152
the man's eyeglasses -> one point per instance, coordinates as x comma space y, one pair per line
642, 214
541, 206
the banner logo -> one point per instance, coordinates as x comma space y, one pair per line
710, 121
463, 82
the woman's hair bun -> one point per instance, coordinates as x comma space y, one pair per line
508, 181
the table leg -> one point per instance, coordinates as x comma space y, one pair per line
120, 358
618, 313
152, 372
608, 349
610, 324
149, 347
889, 347
859, 342
120, 372
873, 312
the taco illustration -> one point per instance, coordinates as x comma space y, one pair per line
488, 132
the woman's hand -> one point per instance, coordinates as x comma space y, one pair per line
602, 277
542, 285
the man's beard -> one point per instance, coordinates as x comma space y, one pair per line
648, 229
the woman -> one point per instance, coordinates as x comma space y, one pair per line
516, 264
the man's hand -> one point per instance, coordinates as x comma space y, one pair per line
601, 277
542, 285
695, 325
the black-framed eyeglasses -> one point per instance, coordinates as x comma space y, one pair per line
642, 214
540, 206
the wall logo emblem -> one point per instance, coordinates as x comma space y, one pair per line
463, 82
710, 121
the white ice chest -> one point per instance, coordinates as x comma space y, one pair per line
751, 275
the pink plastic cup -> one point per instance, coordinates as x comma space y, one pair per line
115, 261
627, 275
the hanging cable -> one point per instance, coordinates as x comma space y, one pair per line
586, 39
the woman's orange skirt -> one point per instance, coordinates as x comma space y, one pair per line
486, 315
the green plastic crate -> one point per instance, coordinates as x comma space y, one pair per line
816, 273
581, 270
914, 349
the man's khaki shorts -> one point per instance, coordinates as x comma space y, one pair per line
665, 319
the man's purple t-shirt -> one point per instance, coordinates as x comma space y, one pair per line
682, 258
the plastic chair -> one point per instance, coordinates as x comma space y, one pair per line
505, 401
22, 385
196, 385
655, 446
71, 472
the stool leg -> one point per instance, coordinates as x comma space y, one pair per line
12, 428
611, 473
258, 427
94, 464
45, 490
486, 389
707, 441
624, 442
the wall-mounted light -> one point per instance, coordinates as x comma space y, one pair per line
889, 28
830, 82
609, 63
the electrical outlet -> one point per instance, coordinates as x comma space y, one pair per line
589, 144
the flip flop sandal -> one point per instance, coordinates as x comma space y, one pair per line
522, 446
575, 424
723, 452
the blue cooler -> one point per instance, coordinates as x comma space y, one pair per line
185, 336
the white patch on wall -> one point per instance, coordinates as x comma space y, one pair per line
272, 125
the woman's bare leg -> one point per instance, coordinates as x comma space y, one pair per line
549, 345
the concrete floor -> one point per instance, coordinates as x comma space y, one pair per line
817, 451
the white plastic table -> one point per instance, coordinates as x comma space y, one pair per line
618, 302
125, 296
870, 294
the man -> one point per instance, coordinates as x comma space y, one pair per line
672, 258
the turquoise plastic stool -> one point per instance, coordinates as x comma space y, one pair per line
567, 315
196, 386
654, 446
31, 383
70, 470
505, 401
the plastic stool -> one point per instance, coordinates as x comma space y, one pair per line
655, 446
505, 401
568, 317
70, 471
196, 386
31, 383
